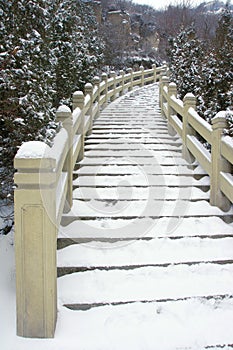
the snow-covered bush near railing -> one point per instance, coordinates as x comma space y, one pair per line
229, 118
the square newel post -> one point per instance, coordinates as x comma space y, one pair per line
163, 82
96, 82
78, 101
105, 79
189, 102
64, 115
130, 71
218, 163
122, 83
172, 91
113, 75
163, 72
89, 91
142, 76
155, 72
35, 241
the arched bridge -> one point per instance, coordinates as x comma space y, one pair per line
141, 214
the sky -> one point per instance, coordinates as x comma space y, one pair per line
158, 4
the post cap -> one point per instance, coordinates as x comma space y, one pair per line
219, 121
88, 88
165, 80
78, 95
63, 112
96, 80
190, 100
104, 76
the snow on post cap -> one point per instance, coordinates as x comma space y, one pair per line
221, 114
219, 121
96, 80
33, 150
63, 109
88, 85
77, 94
189, 95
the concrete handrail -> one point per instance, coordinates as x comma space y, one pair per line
183, 119
44, 180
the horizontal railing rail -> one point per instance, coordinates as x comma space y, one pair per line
217, 160
43, 181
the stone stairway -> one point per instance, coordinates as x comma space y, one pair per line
144, 262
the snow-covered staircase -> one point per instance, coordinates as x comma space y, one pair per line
144, 262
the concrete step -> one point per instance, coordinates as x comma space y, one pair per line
127, 126
126, 255
194, 323
146, 283
122, 169
171, 141
131, 147
140, 180
158, 160
110, 195
107, 229
140, 209
86, 306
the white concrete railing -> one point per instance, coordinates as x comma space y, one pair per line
44, 189
184, 120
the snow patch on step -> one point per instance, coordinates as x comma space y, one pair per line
191, 324
146, 283
156, 251
146, 227
150, 207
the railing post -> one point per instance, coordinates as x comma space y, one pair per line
142, 76
64, 115
96, 82
163, 82
89, 91
113, 75
189, 102
105, 79
130, 71
163, 72
78, 101
35, 241
218, 163
122, 82
172, 91
155, 72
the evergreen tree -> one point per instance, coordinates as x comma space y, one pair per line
185, 54
49, 48
25, 80
76, 46
217, 70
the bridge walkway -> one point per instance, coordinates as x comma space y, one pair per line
144, 262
